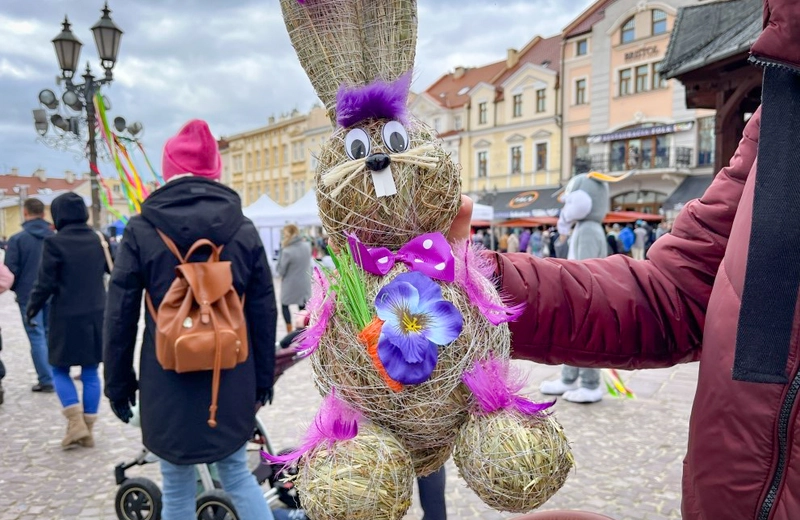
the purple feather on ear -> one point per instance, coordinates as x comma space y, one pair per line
378, 100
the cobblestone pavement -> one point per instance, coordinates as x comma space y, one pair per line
628, 452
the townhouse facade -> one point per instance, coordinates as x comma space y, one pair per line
501, 121
277, 159
619, 114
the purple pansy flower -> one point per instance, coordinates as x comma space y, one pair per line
416, 321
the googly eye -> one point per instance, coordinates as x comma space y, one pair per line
395, 137
356, 143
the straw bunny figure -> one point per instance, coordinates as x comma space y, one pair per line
408, 338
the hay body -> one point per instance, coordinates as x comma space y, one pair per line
427, 199
512, 462
424, 417
368, 477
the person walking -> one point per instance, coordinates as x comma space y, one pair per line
73, 263
174, 407
6, 281
512, 246
23, 257
640, 241
294, 269
710, 291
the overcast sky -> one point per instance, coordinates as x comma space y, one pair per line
226, 61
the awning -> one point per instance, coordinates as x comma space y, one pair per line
691, 188
526, 203
613, 217
646, 131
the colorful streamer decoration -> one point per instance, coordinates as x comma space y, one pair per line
133, 188
614, 384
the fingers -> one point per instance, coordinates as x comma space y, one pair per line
460, 228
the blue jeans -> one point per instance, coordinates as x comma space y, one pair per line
179, 489
68, 395
37, 335
431, 495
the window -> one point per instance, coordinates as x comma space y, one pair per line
541, 157
641, 201
249, 161
458, 124
482, 110
581, 160
437, 125
518, 104
706, 141
314, 163
658, 81
641, 78
286, 191
482, 164
640, 154
286, 157
116, 189
624, 82
516, 159
581, 47
540, 100
237, 163
265, 155
580, 92
659, 21
628, 33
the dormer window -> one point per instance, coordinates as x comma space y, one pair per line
628, 33
659, 21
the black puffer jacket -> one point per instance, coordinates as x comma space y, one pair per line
71, 272
174, 407
24, 254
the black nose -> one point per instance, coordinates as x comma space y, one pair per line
378, 161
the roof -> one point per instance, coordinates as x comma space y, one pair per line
711, 32
584, 23
452, 92
691, 188
539, 51
35, 185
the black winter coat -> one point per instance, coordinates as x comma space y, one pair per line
71, 272
24, 254
174, 407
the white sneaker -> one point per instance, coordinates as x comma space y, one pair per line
557, 387
584, 395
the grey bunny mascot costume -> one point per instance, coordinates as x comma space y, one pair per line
586, 203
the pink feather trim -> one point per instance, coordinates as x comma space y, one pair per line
472, 271
496, 386
335, 422
321, 308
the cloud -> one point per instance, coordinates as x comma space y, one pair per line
229, 62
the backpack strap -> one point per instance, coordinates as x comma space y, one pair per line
170, 245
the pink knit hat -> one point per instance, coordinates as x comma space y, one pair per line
194, 150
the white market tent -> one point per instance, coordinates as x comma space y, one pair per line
270, 217
482, 212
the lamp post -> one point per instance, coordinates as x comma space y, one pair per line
80, 97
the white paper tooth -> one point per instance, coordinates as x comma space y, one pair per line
384, 182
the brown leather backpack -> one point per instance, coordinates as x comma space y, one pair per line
200, 323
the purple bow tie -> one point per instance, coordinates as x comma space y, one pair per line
429, 254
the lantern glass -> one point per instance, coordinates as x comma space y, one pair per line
107, 37
68, 49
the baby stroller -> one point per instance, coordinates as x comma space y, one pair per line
139, 498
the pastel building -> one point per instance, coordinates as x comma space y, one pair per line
620, 114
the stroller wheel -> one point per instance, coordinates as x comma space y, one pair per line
287, 492
215, 505
138, 499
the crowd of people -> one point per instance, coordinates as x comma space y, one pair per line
629, 239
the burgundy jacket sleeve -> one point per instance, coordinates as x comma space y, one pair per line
618, 312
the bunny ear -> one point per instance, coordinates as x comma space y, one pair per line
350, 43
327, 36
389, 38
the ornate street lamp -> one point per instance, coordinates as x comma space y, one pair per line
79, 97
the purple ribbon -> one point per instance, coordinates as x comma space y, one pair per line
429, 254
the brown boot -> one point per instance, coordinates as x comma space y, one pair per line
76, 427
89, 419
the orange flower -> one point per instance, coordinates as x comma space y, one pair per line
369, 338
